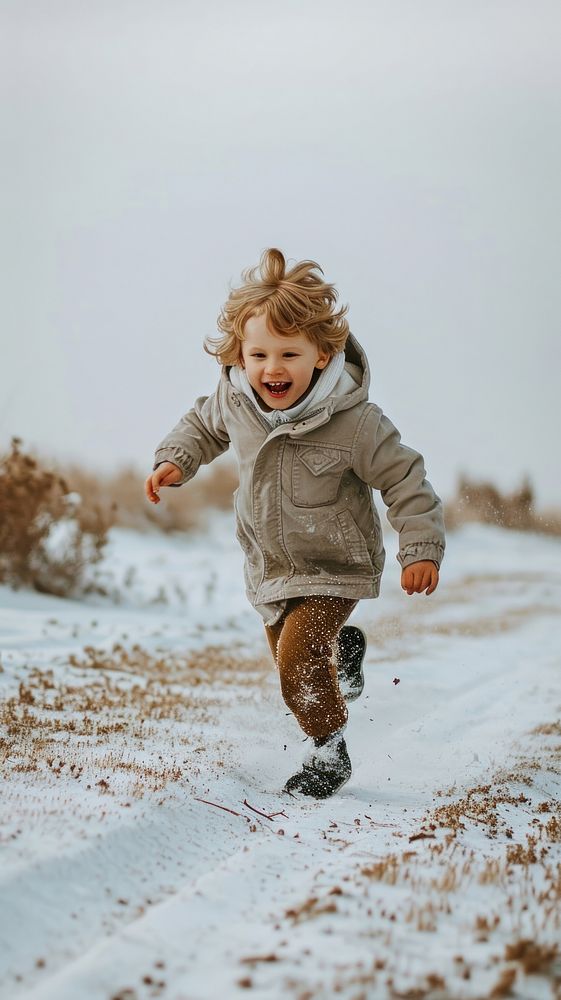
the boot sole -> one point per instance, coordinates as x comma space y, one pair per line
318, 798
342, 677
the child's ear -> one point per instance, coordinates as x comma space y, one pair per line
323, 360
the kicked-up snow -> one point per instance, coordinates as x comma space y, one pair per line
147, 849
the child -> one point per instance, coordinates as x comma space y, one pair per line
293, 402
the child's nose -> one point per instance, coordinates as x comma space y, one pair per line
274, 368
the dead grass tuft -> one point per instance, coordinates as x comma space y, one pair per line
518, 854
312, 907
504, 986
532, 956
548, 729
491, 873
484, 502
48, 535
485, 925
386, 870
553, 830
480, 805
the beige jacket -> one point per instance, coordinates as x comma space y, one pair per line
305, 515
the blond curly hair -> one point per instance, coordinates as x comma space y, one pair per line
294, 301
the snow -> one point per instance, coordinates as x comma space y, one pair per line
147, 848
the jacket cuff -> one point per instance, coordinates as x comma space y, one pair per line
179, 457
419, 551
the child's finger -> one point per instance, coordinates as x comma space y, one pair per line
151, 489
167, 474
434, 581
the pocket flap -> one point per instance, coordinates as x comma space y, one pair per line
318, 460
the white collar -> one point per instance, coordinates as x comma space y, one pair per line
321, 390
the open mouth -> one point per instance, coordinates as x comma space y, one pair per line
277, 389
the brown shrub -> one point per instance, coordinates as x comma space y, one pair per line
36, 505
483, 502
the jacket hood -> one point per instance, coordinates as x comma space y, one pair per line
356, 364
351, 388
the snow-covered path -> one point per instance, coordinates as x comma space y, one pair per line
147, 849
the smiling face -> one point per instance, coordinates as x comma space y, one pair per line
279, 367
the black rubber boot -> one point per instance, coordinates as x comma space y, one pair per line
351, 648
324, 771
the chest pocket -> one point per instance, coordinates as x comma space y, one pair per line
316, 475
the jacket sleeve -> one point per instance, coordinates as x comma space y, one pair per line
414, 509
198, 438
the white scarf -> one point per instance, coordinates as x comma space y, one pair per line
321, 390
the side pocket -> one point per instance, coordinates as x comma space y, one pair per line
354, 540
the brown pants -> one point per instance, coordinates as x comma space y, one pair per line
302, 646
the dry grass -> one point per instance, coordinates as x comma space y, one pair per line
310, 908
105, 716
481, 501
487, 806
532, 956
386, 870
36, 504
517, 854
181, 508
504, 985
425, 892
549, 728
55, 520
218, 665
479, 805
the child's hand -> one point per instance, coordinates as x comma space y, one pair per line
420, 576
165, 475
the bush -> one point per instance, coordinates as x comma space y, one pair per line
48, 536
480, 501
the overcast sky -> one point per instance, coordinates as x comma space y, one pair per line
153, 150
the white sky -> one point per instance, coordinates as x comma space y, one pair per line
153, 150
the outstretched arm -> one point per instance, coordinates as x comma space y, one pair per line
414, 509
197, 439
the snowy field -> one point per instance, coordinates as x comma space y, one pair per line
147, 849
